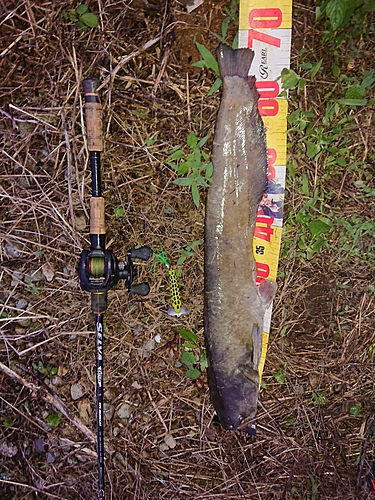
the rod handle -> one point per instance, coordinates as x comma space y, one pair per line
97, 215
93, 114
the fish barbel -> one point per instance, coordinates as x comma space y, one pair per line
234, 304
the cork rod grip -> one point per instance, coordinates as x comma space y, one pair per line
93, 113
97, 216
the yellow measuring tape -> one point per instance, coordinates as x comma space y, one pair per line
266, 27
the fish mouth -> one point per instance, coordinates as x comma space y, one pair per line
235, 400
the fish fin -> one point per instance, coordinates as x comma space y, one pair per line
267, 290
235, 62
250, 374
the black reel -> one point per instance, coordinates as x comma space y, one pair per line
100, 270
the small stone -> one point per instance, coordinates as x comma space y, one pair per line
170, 441
48, 271
80, 222
34, 277
76, 391
124, 411
163, 447
17, 278
168, 209
50, 458
12, 251
116, 431
158, 338
85, 411
135, 385
22, 304
8, 450
147, 348
40, 445
108, 410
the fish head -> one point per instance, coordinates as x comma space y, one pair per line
235, 398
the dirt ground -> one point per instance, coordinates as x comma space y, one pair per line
315, 437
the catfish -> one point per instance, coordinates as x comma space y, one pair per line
234, 304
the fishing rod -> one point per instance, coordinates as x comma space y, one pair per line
99, 270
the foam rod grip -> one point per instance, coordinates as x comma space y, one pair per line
97, 216
93, 113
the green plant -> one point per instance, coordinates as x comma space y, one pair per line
54, 419
280, 375
314, 487
355, 410
7, 422
192, 355
82, 16
318, 398
33, 288
187, 251
340, 14
356, 239
119, 212
208, 60
195, 165
47, 371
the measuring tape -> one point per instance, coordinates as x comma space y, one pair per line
268, 31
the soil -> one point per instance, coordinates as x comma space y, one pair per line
315, 436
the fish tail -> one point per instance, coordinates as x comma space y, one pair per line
235, 62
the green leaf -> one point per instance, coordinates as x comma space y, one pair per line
89, 19
183, 168
318, 227
7, 422
193, 373
316, 68
54, 419
203, 362
289, 78
191, 140
355, 92
195, 194
305, 185
82, 9
353, 102
209, 60
187, 334
177, 155
203, 141
186, 181
336, 10
215, 86
186, 345
119, 212
188, 359
368, 80
312, 149
355, 410
181, 260
209, 170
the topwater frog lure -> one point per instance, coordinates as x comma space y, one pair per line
177, 308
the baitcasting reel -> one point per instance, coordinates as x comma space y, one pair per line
100, 270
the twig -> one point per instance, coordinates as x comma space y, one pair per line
51, 398
12, 106
367, 435
135, 53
